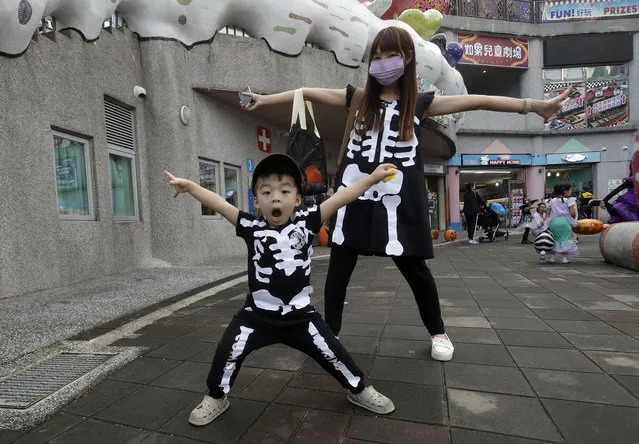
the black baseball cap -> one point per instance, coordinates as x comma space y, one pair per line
278, 164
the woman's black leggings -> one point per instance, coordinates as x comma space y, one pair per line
414, 270
526, 233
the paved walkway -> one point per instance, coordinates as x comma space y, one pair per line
543, 354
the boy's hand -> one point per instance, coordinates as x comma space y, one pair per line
385, 171
181, 185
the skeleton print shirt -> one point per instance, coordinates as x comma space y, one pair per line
391, 218
279, 261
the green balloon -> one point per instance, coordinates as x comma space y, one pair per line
184, 2
425, 24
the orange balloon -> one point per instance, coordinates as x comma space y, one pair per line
588, 226
434, 234
322, 236
313, 174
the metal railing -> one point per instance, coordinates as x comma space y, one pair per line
526, 11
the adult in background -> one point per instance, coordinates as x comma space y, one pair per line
472, 204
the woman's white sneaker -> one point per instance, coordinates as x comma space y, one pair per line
442, 349
372, 400
209, 409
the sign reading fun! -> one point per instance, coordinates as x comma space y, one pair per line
560, 10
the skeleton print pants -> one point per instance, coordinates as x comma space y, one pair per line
414, 270
309, 334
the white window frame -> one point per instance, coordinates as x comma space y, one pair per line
124, 152
240, 199
218, 164
88, 159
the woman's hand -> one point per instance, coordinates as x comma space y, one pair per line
548, 108
383, 171
257, 100
180, 185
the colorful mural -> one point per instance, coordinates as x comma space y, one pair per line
345, 27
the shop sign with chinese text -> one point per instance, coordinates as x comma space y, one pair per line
561, 10
495, 51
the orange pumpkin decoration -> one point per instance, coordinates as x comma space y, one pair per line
450, 234
588, 226
322, 236
434, 234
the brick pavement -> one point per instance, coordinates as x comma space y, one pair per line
543, 354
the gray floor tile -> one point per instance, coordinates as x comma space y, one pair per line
412, 332
616, 363
482, 354
228, 427
462, 311
312, 381
386, 430
520, 324
466, 321
488, 303
148, 407
54, 426
629, 328
178, 350
358, 344
629, 382
553, 359
594, 327
359, 329
603, 342
277, 423
464, 436
416, 371
487, 379
362, 361
265, 387
541, 339
473, 335
189, 376
459, 303
403, 348
509, 313
321, 427
101, 397
584, 423
578, 386
144, 370
564, 314
99, 432
314, 399
276, 358
413, 402
506, 414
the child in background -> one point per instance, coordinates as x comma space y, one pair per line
278, 308
527, 219
539, 218
544, 241
562, 212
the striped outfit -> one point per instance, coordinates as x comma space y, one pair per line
278, 308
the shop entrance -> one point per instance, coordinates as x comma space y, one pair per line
504, 185
580, 176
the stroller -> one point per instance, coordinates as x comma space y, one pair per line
489, 219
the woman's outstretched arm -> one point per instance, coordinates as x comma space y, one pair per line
334, 97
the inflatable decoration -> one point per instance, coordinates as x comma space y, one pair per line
619, 245
589, 226
396, 8
344, 27
635, 166
425, 24
442, 6
454, 52
434, 234
450, 234
440, 40
313, 179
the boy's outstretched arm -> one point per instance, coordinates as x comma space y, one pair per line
208, 198
352, 192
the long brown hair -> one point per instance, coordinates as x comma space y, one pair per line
368, 117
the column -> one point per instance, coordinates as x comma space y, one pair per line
441, 203
535, 182
453, 198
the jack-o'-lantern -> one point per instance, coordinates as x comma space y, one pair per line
434, 234
450, 234
588, 226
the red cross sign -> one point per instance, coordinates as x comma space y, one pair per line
263, 139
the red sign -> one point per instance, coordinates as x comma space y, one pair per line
496, 51
263, 139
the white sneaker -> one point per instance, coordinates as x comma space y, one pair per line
442, 349
472, 241
565, 260
372, 400
209, 409
542, 257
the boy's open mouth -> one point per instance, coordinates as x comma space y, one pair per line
276, 212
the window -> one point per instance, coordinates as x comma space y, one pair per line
121, 148
599, 96
209, 179
232, 185
73, 177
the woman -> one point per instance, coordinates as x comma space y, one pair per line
393, 219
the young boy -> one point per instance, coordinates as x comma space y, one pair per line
278, 307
